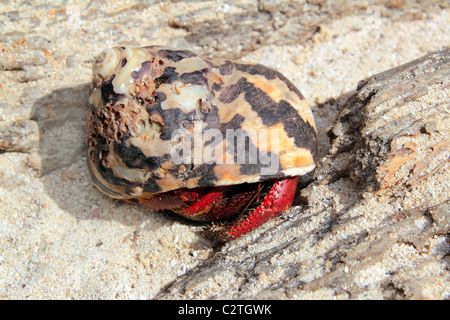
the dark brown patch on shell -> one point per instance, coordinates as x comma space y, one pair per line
272, 113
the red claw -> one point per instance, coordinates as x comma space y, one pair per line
279, 199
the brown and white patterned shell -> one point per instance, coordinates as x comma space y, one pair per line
141, 96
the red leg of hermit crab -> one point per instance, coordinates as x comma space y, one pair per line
279, 199
217, 203
202, 204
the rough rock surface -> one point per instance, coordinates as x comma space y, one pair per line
373, 223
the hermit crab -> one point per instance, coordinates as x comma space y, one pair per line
212, 140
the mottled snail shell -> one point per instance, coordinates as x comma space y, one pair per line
141, 96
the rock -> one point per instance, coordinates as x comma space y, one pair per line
19, 136
370, 230
19, 60
231, 31
400, 120
32, 73
71, 61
